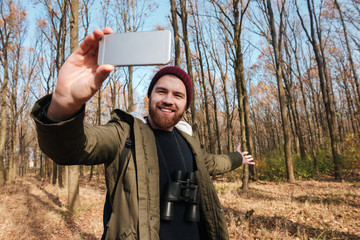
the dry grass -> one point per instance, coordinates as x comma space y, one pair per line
31, 209
305, 210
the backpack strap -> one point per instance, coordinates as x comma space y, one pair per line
123, 162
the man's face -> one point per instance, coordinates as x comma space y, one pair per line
167, 103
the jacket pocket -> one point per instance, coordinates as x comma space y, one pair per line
129, 234
118, 234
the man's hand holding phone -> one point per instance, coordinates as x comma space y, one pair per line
79, 78
90, 64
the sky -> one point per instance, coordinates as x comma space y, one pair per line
142, 75
158, 17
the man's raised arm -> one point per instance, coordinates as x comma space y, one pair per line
79, 78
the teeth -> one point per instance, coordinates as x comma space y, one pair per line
165, 110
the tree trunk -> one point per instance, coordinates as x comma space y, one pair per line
4, 90
312, 140
217, 131
3, 126
238, 15
227, 112
60, 176
47, 168
207, 120
73, 187
73, 171
295, 116
223, 75
54, 173
130, 107
276, 44
91, 172
212, 85
175, 26
351, 110
185, 38
67, 178
353, 68
325, 86
248, 129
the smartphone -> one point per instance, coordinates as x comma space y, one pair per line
135, 48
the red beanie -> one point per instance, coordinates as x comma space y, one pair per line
177, 72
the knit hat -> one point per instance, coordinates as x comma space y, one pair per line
177, 72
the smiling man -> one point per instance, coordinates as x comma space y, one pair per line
156, 173
169, 94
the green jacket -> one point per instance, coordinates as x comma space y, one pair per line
136, 210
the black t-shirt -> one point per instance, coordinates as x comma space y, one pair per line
174, 154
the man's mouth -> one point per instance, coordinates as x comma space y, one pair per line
166, 110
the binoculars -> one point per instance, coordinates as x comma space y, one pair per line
183, 188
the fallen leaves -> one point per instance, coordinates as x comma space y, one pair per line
31, 209
305, 210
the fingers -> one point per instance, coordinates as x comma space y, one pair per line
91, 42
248, 159
108, 30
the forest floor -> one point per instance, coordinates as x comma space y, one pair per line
33, 209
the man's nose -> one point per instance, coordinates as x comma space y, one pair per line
168, 99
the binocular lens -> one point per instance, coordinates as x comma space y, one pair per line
184, 190
167, 211
179, 175
192, 213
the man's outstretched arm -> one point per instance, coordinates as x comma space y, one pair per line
217, 164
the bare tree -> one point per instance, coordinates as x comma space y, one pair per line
276, 43
315, 38
233, 28
12, 19
54, 28
298, 74
222, 63
74, 171
6, 35
184, 22
199, 43
352, 64
175, 27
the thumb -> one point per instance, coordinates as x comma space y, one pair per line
102, 72
238, 148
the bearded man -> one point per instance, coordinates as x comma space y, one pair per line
161, 187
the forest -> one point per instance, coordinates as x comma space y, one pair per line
279, 76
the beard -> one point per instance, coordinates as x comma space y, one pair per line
164, 122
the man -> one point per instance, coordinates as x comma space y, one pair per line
137, 183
